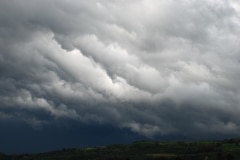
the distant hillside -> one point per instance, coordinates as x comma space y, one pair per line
144, 150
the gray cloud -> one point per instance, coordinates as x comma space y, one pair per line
155, 67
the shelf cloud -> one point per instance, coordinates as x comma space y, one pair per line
152, 67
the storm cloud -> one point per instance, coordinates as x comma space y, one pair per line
151, 67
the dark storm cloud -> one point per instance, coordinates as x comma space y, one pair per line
153, 67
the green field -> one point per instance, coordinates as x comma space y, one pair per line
144, 150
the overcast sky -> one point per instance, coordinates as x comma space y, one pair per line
147, 68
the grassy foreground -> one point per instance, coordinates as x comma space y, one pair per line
144, 150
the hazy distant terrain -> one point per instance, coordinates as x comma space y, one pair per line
144, 150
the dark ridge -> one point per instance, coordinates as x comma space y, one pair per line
228, 149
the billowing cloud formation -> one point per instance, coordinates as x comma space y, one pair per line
154, 67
